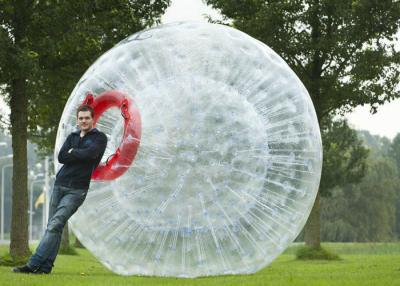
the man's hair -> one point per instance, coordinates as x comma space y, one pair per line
85, 107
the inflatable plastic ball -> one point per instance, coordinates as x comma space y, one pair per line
213, 159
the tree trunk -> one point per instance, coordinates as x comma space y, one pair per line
312, 232
19, 244
19, 247
78, 243
64, 247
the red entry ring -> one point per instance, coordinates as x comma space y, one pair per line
118, 163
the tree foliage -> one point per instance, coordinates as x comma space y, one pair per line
394, 153
344, 156
379, 147
394, 150
365, 211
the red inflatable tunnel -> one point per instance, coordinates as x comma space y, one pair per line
118, 163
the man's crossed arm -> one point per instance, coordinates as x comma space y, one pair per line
69, 154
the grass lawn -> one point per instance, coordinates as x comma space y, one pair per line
361, 264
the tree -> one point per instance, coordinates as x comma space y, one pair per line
379, 146
65, 246
394, 153
365, 211
344, 156
394, 150
343, 51
78, 243
45, 47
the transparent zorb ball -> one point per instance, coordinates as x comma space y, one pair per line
229, 161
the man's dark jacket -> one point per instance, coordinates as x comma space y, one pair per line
82, 160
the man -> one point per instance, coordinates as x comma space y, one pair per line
81, 153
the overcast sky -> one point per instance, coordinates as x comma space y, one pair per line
385, 122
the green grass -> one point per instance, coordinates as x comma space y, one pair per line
360, 264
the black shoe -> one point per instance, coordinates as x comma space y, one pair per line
27, 270
23, 269
40, 271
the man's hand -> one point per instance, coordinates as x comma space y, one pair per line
65, 154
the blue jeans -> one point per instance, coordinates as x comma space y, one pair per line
64, 202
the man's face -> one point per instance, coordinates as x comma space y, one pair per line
85, 121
